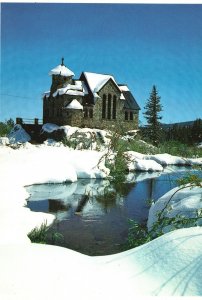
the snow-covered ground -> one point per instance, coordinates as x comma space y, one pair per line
169, 265
181, 201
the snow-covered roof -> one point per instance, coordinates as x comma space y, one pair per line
77, 89
97, 81
74, 104
61, 70
124, 88
47, 94
74, 93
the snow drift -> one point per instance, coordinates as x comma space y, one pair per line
170, 265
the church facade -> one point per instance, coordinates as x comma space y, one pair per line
94, 101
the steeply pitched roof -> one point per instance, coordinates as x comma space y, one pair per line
74, 104
130, 102
97, 81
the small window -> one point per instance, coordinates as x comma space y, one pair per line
131, 115
91, 113
126, 115
104, 107
114, 108
85, 113
109, 107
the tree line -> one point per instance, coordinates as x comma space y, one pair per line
156, 133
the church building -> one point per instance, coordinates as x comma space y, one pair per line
94, 101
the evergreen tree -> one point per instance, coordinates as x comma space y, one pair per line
196, 131
152, 109
5, 127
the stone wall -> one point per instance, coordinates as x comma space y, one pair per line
58, 81
111, 123
54, 112
92, 116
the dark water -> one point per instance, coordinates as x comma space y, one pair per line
92, 215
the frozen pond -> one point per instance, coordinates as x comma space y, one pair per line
92, 215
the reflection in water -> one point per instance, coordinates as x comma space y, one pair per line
92, 215
82, 203
57, 205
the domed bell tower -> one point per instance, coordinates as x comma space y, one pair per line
61, 76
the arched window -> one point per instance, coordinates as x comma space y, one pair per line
109, 106
90, 113
126, 115
114, 108
53, 109
104, 107
85, 113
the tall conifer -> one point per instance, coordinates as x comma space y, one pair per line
152, 109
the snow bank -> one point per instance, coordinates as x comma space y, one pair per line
46, 164
36, 165
18, 135
4, 141
167, 266
179, 201
167, 159
142, 162
144, 165
137, 162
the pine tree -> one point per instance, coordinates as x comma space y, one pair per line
153, 108
196, 131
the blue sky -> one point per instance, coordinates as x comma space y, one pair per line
140, 45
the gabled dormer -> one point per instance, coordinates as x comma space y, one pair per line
61, 76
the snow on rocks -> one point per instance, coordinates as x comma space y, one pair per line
49, 127
184, 201
144, 165
157, 162
4, 141
51, 142
132, 155
81, 138
167, 159
136, 161
18, 135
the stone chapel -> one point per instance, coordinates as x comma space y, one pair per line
94, 101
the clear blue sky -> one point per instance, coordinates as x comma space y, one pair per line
140, 45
